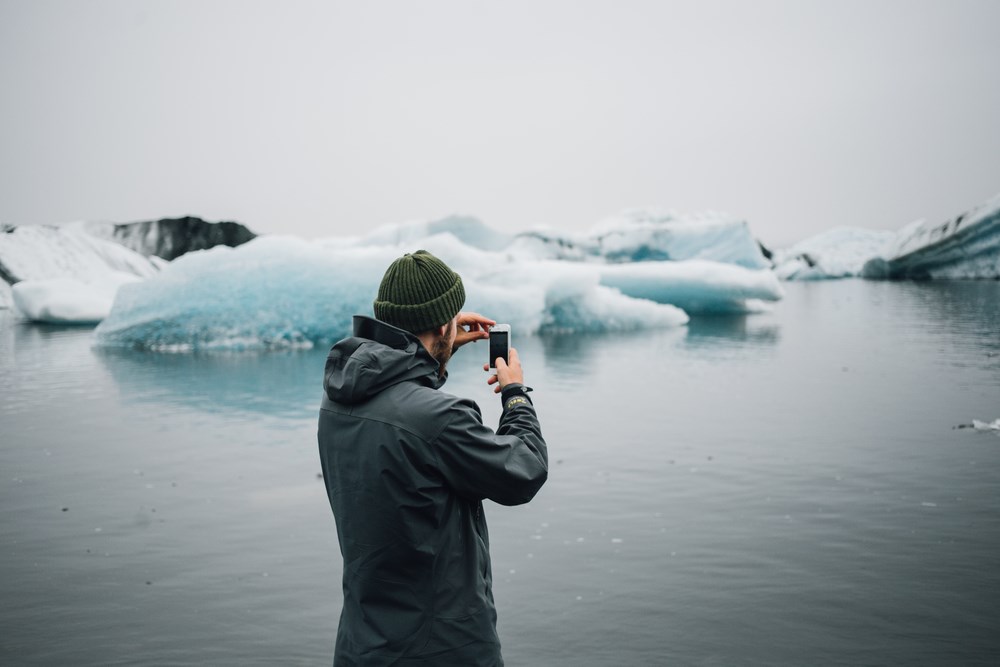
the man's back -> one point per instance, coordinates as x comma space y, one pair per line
406, 468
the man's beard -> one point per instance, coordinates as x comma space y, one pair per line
442, 352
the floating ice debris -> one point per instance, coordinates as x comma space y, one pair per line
982, 426
925, 504
616, 540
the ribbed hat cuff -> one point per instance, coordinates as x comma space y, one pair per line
420, 317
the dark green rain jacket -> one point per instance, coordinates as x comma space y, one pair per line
406, 468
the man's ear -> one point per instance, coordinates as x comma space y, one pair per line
443, 329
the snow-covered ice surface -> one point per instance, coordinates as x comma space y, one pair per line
837, 253
967, 246
43, 252
287, 292
66, 274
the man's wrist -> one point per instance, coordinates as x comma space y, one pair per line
514, 394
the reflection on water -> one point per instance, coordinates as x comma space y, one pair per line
777, 488
735, 330
284, 384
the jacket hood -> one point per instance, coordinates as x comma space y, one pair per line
377, 356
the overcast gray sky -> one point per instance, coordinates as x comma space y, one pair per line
330, 118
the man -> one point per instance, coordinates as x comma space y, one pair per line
407, 467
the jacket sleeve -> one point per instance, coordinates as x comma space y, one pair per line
508, 466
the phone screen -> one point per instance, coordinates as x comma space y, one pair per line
499, 342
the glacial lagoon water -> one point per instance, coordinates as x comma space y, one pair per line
784, 488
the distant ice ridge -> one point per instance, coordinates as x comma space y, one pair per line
644, 235
967, 246
276, 292
64, 274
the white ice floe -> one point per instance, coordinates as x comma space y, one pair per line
68, 301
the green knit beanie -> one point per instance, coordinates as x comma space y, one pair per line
418, 293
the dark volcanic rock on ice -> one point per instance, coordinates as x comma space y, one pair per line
169, 238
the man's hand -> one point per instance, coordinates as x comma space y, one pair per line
506, 373
471, 327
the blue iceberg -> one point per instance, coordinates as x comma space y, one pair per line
285, 292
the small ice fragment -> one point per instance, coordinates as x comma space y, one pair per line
986, 426
513, 571
616, 540
579, 597
579, 539
928, 504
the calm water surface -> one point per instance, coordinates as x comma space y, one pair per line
786, 488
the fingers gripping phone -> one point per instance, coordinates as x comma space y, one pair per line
499, 343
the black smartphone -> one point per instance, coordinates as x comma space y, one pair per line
499, 343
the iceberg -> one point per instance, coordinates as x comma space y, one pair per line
967, 246
635, 235
63, 273
647, 235
285, 292
837, 253
70, 273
